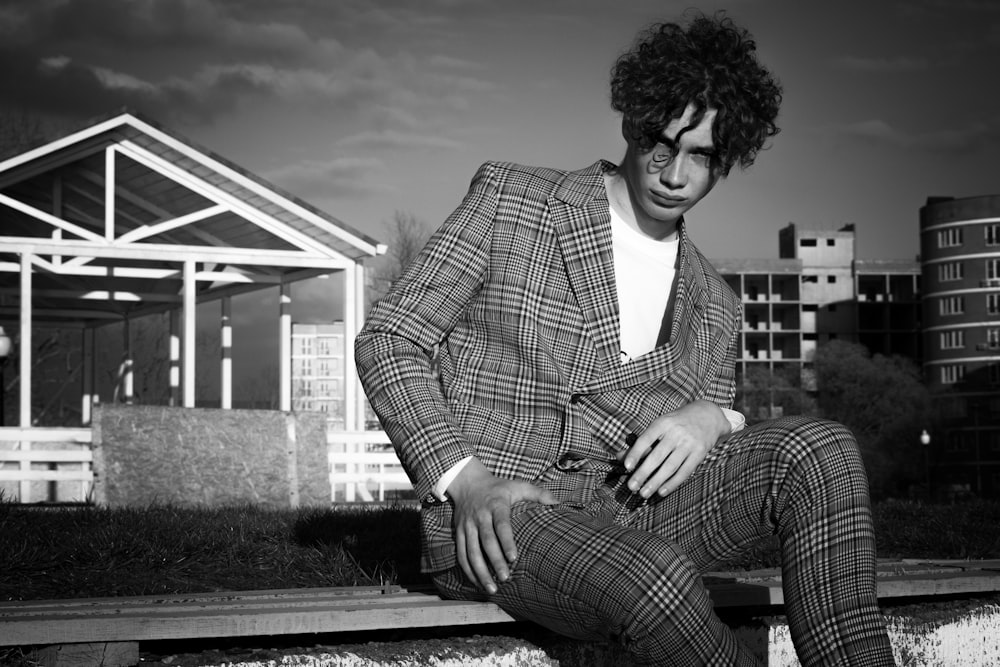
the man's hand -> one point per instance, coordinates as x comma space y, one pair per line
483, 535
671, 448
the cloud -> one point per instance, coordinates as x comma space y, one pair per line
894, 65
974, 137
394, 139
195, 60
338, 177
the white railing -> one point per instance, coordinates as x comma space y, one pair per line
363, 462
50, 464
55, 465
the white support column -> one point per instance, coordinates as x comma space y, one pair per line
175, 358
26, 355
285, 348
87, 381
362, 310
189, 334
109, 193
226, 363
350, 333
128, 377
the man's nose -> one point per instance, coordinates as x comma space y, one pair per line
674, 175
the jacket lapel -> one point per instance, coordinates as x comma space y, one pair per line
580, 217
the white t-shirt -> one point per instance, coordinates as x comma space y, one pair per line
644, 278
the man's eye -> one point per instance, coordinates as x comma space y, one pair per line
702, 159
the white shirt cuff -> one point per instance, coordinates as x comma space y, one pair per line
448, 477
737, 422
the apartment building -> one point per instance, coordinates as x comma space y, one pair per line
318, 369
960, 249
817, 290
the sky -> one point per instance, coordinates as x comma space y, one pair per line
369, 108
366, 108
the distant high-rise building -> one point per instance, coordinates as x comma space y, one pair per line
960, 255
817, 291
318, 370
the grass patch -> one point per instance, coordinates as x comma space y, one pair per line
95, 552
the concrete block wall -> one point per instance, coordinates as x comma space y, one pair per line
208, 457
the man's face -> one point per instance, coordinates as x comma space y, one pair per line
667, 180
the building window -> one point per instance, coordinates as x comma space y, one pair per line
949, 238
807, 243
994, 373
993, 304
993, 338
830, 242
950, 271
952, 374
992, 234
952, 340
831, 279
952, 305
993, 269
807, 278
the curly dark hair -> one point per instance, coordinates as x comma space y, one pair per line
712, 63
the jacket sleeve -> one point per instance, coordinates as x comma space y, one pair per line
393, 350
720, 381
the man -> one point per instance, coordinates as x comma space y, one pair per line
576, 452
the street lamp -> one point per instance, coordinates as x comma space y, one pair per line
925, 440
5, 346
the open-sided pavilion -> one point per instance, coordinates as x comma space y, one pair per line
125, 218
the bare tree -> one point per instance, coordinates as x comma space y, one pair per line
21, 130
407, 235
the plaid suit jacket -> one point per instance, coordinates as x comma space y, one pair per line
517, 289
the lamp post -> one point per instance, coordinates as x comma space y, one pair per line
5, 346
925, 440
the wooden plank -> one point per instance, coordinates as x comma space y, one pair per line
32, 434
232, 616
327, 610
102, 654
48, 456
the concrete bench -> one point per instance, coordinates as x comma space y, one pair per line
107, 631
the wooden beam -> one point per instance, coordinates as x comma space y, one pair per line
50, 219
244, 210
265, 192
166, 225
166, 252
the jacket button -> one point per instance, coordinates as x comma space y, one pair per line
574, 399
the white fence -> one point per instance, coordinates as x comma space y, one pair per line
363, 465
55, 465
46, 464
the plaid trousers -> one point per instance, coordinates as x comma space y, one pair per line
627, 569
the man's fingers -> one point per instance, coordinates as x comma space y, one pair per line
679, 477
461, 544
480, 570
493, 550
